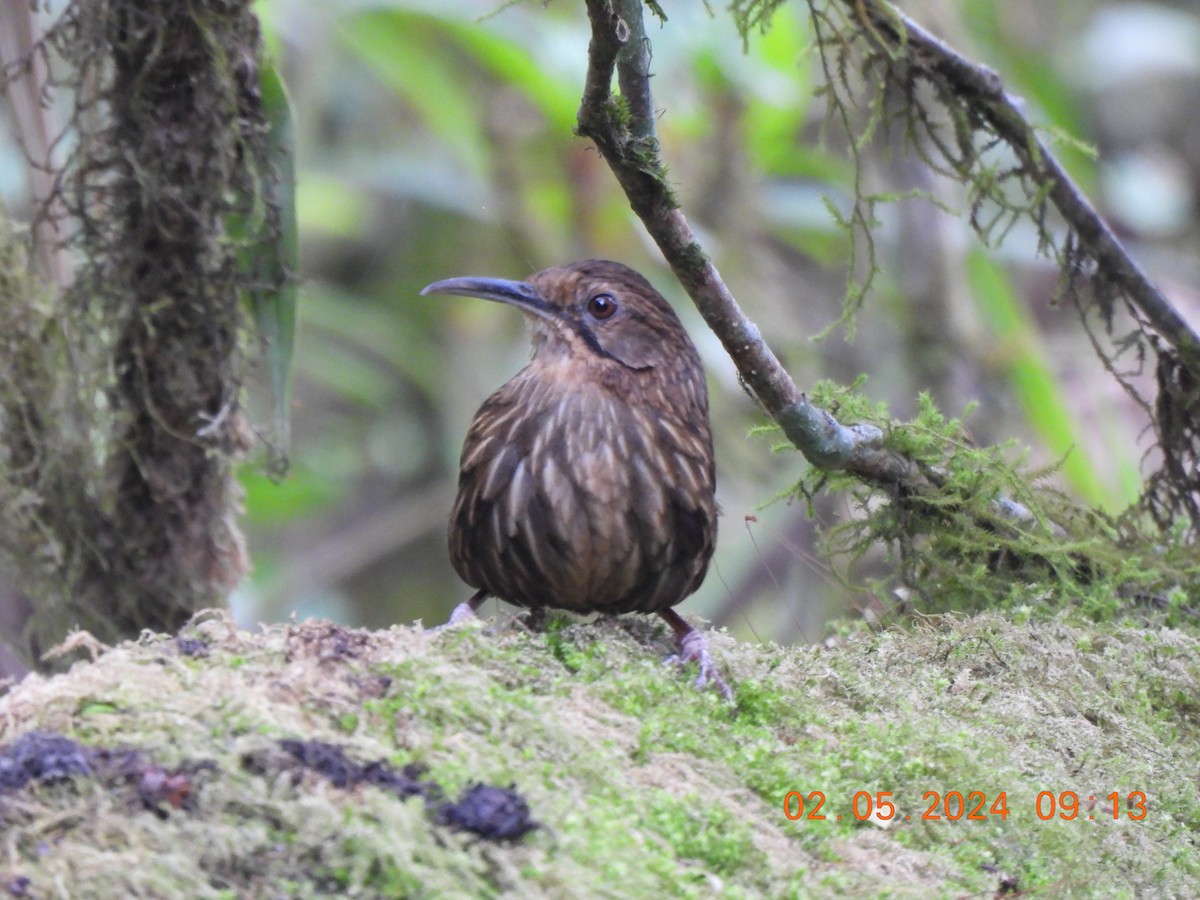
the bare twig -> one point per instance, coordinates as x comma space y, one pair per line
24, 72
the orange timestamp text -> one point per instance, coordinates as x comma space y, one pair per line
974, 806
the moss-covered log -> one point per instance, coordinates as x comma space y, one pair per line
311, 759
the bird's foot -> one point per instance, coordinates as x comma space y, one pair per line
692, 646
536, 618
465, 611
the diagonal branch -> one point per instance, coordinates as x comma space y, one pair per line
896, 34
623, 131
625, 138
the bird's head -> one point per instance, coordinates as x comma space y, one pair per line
596, 307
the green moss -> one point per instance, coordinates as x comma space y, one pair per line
638, 779
991, 533
707, 832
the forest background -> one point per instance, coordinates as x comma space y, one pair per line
435, 140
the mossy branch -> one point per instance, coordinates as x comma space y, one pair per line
961, 122
982, 89
626, 140
980, 513
979, 115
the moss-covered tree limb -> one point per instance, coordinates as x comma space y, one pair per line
177, 360
889, 46
636, 779
627, 143
982, 89
957, 115
129, 382
978, 511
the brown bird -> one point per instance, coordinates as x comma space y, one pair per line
587, 481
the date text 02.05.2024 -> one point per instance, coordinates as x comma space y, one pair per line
976, 806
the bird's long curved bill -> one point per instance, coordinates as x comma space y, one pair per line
520, 294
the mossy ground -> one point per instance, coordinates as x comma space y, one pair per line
643, 786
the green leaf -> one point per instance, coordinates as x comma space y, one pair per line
1031, 378
409, 55
269, 257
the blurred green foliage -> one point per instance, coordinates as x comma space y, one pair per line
435, 139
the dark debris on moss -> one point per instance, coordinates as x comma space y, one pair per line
333, 763
493, 813
43, 757
498, 814
191, 647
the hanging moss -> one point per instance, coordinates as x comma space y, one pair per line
992, 532
130, 469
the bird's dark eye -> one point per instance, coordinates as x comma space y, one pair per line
602, 306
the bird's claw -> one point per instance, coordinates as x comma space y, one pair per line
693, 647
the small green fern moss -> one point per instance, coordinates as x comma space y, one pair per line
994, 533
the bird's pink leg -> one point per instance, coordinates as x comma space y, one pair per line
692, 646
